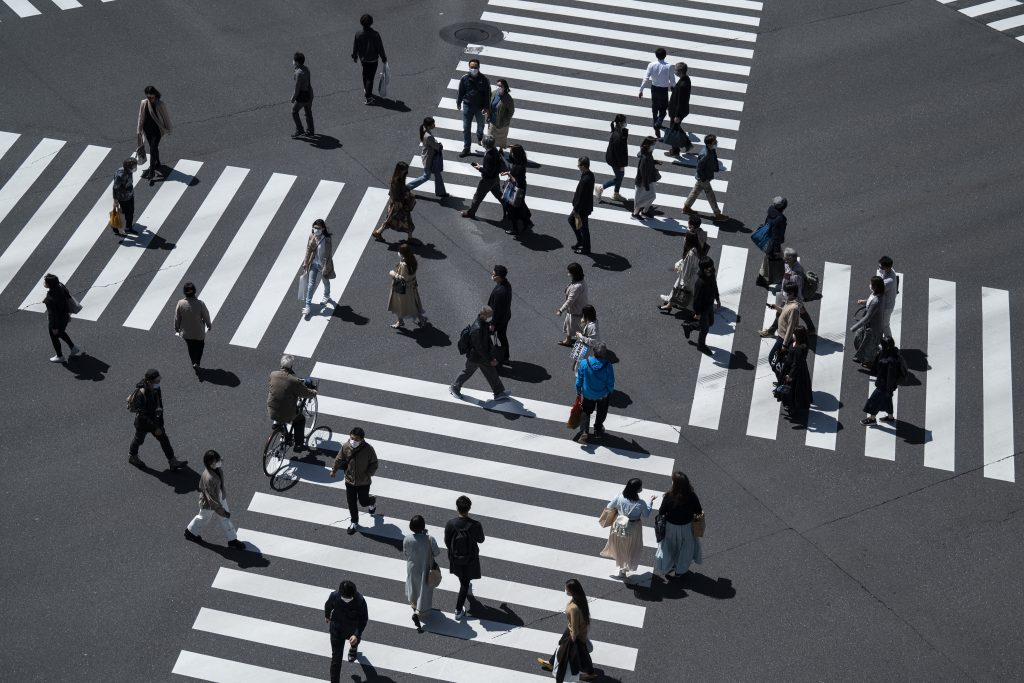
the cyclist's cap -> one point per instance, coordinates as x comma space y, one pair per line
152, 374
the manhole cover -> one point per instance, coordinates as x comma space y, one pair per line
475, 33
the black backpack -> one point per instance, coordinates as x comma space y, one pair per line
465, 339
463, 550
136, 401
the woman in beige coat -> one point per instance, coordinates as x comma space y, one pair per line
400, 206
319, 261
572, 307
154, 123
405, 295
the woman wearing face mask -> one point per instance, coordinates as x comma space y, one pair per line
616, 156
433, 163
586, 337
500, 115
213, 501
517, 211
573, 653
647, 178
419, 549
405, 295
318, 262
400, 206
575, 299
625, 539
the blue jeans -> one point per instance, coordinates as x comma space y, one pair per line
438, 182
314, 273
468, 114
616, 181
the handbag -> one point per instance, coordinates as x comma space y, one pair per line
676, 137
437, 162
762, 237
608, 516
140, 154
579, 350
508, 194
303, 286
434, 576
698, 525
620, 525
73, 304
116, 220
681, 297
399, 286
575, 413
659, 528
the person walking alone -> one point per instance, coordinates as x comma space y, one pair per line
404, 299
490, 170
616, 156
625, 538
679, 106
318, 263
401, 202
595, 382
433, 161
679, 547
646, 181
707, 166
154, 124
888, 375
368, 49
359, 461
213, 502
482, 354
58, 315
500, 302
499, 116
419, 549
517, 212
573, 652
661, 77
463, 536
472, 100
191, 321
124, 194
302, 97
582, 207
147, 403
346, 612
705, 298
776, 221
576, 297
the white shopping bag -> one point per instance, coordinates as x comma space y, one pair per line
303, 286
384, 80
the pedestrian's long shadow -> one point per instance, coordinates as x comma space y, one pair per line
224, 378
370, 673
245, 559
86, 367
348, 315
392, 105
427, 336
691, 582
535, 241
524, 372
185, 480
422, 250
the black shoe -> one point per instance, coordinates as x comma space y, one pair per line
705, 349
372, 509
189, 536
352, 528
132, 231
174, 464
299, 447
416, 620
310, 133
443, 196
295, 136
146, 175
464, 153
687, 330
598, 431
136, 460
236, 544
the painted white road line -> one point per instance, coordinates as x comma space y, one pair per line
394, 569
940, 382
613, 19
669, 10
989, 7
413, 662
880, 439
120, 265
67, 4
763, 420
347, 253
663, 40
605, 50
166, 280
497, 436
829, 357
78, 245
490, 52
282, 278
484, 631
244, 243
23, 8
590, 85
997, 384
46, 216
7, 141
1008, 23
27, 174
219, 670
438, 391
709, 393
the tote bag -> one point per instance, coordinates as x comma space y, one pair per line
675, 137
303, 286
762, 237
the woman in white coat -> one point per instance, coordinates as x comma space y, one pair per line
686, 270
419, 549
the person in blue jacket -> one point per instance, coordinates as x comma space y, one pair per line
595, 382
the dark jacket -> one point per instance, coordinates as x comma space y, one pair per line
679, 102
583, 200
500, 302
368, 46
707, 164
152, 414
285, 391
58, 315
124, 185
705, 293
680, 512
518, 173
492, 165
777, 231
796, 374
347, 618
470, 569
617, 154
646, 171
303, 86
481, 349
476, 90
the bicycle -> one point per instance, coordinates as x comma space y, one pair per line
280, 439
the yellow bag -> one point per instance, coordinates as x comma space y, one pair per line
116, 220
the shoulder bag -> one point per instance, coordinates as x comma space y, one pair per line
608, 516
434, 575
762, 237
675, 137
659, 528
698, 525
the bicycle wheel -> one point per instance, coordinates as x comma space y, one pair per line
284, 477
309, 409
274, 451
319, 439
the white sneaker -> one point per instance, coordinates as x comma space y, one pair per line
598, 190
618, 197
305, 310
57, 359
75, 351
326, 300
460, 615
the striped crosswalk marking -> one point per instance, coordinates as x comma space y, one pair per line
829, 357
67, 4
220, 670
23, 8
186, 249
53, 207
997, 384
1008, 23
27, 174
120, 266
989, 7
668, 10
7, 141
281, 280
763, 420
347, 253
880, 439
940, 382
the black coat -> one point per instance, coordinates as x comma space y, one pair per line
58, 315
583, 200
500, 302
705, 294
481, 349
347, 618
617, 154
646, 171
777, 230
794, 367
679, 102
471, 569
492, 165
152, 414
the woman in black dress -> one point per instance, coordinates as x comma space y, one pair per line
796, 376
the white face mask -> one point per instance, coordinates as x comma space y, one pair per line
217, 464
501, 90
354, 444
317, 231
474, 72
344, 599
488, 320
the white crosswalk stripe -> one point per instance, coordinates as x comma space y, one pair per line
829, 357
940, 383
997, 384
1011, 11
27, 174
763, 420
23, 8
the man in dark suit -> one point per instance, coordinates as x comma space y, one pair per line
582, 207
501, 303
679, 105
490, 172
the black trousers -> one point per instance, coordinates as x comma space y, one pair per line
195, 350
601, 404
369, 71
582, 652
338, 641
486, 369
659, 106
299, 429
55, 340
128, 209
360, 494
153, 138
501, 331
140, 436
460, 601
307, 108
707, 319
492, 185
583, 234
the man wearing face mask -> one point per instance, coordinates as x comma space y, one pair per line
345, 610
302, 98
148, 405
707, 165
359, 461
213, 501
472, 101
482, 355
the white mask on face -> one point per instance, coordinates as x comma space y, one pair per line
344, 599
353, 443
217, 464
318, 231
474, 72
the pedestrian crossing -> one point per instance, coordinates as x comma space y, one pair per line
570, 73
33, 8
1005, 16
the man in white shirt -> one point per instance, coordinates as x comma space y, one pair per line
660, 77
892, 288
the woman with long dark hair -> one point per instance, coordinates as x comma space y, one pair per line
888, 373
400, 204
585, 338
686, 269
58, 315
870, 325
405, 294
154, 123
433, 163
318, 262
796, 376
679, 547
616, 156
647, 177
573, 653
516, 210
625, 539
